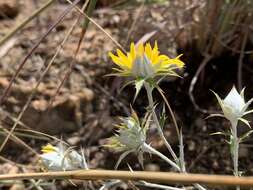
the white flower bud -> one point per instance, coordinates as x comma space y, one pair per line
60, 159
234, 106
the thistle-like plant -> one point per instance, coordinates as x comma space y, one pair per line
234, 107
147, 66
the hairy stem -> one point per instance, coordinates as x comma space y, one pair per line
151, 104
235, 149
147, 148
180, 163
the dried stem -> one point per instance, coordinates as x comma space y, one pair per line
69, 71
194, 80
21, 65
35, 90
156, 177
240, 61
98, 26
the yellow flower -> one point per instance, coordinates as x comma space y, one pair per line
145, 61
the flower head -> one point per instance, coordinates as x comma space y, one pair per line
58, 158
131, 134
234, 106
145, 62
130, 137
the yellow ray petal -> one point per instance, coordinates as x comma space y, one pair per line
115, 59
132, 51
124, 59
155, 51
140, 50
48, 148
148, 51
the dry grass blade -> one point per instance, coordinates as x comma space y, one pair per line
99, 27
194, 81
18, 140
240, 61
138, 15
84, 28
156, 177
38, 83
21, 65
85, 23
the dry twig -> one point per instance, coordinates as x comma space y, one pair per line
156, 177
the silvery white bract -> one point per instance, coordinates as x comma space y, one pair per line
142, 67
234, 106
132, 136
60, 159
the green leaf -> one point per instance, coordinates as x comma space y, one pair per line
248, 112
245, 122
219, 133
126, 84
138, 85
246, 135
163, 117
218, 98
121, 157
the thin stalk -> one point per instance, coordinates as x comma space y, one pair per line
180, 161
157, 186
98, 26
235, 150
39, 81
147, 148
91, 7
156, 177
181, 150
24, 61
240, 61
160, 131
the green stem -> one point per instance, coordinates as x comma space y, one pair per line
160, 131
149, 149
235, 149
151, 104
90, 9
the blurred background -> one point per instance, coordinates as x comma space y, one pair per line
77, 103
